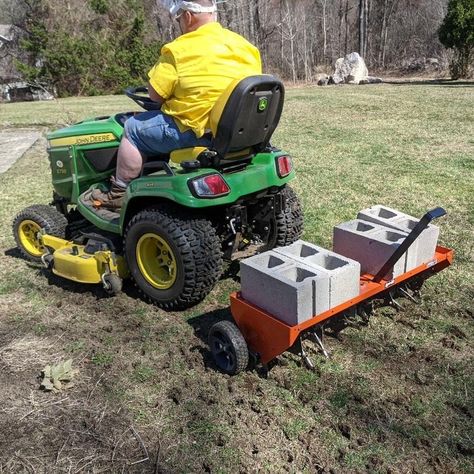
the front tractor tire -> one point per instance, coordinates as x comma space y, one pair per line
174, 259
27, 225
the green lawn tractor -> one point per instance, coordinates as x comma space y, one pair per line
186, 215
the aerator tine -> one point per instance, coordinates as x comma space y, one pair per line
299, 350
319, 338
407, 295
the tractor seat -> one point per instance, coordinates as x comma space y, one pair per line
242, 122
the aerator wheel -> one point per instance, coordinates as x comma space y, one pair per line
27, 225
228, 347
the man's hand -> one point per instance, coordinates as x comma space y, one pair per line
154, 95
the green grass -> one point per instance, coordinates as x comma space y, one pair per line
56, 113
403, 384
102, 359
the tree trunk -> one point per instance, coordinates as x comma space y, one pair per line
388, 9
346, 41
363, 16
291, 35
325, 32
366, 29
341, 23
361, 27
282, 42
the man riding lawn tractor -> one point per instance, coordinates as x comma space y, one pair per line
191, 73
196, 179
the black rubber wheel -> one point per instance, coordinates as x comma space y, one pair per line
175, 259
29, 222
112, 284
228, 347
289, 222
48, 261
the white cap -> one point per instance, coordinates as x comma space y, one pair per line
175, 5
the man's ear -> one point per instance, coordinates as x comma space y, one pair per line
188, 18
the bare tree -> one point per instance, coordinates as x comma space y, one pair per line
323, 4
289, 32
363, 26
387, 13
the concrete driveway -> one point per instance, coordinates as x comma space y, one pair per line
14, 142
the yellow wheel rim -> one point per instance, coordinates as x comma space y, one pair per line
156, 261
28, 235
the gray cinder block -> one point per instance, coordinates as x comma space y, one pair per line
286, 289
424, 246
371, 245
343, 272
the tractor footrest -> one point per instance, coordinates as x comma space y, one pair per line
105, 214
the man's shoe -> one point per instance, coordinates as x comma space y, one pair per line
111, 199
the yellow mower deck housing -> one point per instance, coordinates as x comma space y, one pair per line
72, 262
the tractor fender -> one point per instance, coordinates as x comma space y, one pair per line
174, 186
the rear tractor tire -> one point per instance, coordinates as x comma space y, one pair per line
27, 225
175, 259
289, 222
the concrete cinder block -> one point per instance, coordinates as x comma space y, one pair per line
286, 289
424, 246
343, 272
371, 245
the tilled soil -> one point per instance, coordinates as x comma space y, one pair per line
394, 397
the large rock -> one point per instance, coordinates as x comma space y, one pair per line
423, 64
323, 80
351, 70
371, 80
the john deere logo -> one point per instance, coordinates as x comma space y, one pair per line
262, 104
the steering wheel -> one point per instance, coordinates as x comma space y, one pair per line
141, 97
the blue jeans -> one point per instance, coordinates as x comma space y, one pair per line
154, 132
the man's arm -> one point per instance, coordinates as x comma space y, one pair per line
154, 95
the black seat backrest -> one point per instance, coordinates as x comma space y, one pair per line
247, 114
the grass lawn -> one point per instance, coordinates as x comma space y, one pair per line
396, 395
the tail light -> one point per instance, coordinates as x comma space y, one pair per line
284, 165
210, 186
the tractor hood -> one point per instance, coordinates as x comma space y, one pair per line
89, 132
94, 143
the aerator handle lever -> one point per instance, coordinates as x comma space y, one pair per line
435, 213
411, 237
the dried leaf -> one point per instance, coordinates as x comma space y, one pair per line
46, 384
67, 366
57, 377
